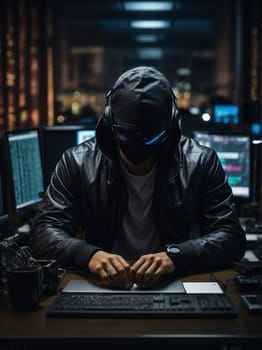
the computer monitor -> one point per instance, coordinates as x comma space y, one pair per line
255, 129
3, 208
234, 152
226, 114
24, 170
84, 135
57, 139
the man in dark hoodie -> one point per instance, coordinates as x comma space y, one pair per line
148, 201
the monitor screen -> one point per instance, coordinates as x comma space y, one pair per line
57, 139
256, 129
24, 164
227, 114
84, 135
234, 153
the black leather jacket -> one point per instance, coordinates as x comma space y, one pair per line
193, 206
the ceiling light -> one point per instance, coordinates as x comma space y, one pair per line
154, 24
150, 53
146, 38
148, 6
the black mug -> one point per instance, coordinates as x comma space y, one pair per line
25, 286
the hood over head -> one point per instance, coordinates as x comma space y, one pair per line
141, 99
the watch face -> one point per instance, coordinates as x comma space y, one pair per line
174, 250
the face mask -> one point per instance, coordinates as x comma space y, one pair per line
137, 154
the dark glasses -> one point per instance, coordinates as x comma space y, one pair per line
132, 135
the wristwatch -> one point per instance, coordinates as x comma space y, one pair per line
173, 251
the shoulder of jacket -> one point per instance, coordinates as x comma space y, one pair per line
190, 149
83, 151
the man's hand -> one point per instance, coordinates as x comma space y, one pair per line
113, 269
148, 269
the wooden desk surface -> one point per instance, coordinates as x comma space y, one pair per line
34, 326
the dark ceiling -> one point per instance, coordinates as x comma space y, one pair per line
106, 23
186, 49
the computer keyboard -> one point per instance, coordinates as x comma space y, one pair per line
142, 305
245, 283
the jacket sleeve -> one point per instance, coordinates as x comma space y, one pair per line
221, 240
55, 228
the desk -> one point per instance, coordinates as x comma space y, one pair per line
27, 329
